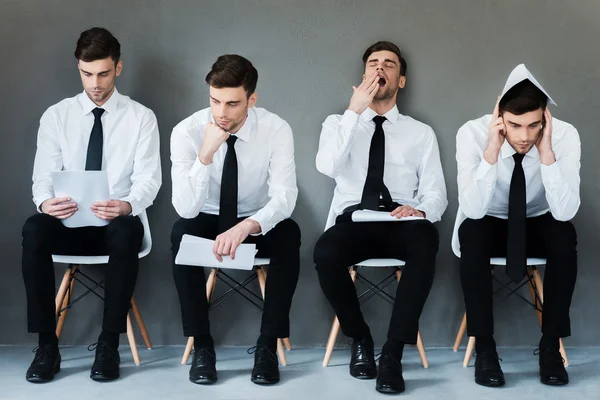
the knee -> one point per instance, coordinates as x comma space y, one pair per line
561, 239
35, 229
287, 234
472, 234
179, 229
326, 253
426, 237
125, 233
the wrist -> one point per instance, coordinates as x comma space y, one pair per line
204, 158
251, 226
547, 157
491, 155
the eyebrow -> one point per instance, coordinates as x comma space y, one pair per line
385, 60
533, 123
228, 102
99, 73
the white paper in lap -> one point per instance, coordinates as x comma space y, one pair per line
84, 188
198, 251
378, 216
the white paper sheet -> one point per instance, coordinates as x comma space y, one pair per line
84, 188
198, 251
378, 216
519, 74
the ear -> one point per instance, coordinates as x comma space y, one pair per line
252, 99
402, 82
119, 67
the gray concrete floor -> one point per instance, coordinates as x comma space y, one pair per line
161, 376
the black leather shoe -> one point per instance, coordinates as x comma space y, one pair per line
266, 366
362, 360
389, 375
203, 370
552, 367
45, 364
106, 363
487, 369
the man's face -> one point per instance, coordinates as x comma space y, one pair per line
387, 66
98, 78
229, 107
523, 131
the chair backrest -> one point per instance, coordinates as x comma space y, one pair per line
146, 247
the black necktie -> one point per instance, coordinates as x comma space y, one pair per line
229, 188
516, 252
374, 187
93, 161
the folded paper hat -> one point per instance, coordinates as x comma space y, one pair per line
519, 74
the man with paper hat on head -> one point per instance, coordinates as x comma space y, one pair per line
518, 185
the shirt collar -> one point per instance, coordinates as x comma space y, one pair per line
110, 106
392, 115
507, 151
246, 129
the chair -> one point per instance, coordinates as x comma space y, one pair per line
536, 289
260, 273
73, 274
376, 289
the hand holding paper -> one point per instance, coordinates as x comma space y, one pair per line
379, 216
198, 251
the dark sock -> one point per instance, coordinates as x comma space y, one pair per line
550, 342
484, 343
269, 341
395, 348
111, 339
47, 338
204, 341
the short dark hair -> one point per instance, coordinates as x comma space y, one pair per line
522, 98
389, 46
97, 44
232, 70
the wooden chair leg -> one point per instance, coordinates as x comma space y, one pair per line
287, 343
262, 280
461, 333
539, 284
469, 352
335, 329
132, 344
62, 290
211, 282
64, 302
333, 334
421, 349
140, 323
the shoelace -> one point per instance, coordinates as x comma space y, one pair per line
263, 349
496, 355
552, 355
397, 365
104, 345
203, 354
40, 352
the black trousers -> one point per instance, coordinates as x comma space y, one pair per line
481, 239
348, 243
281, 244
44, 235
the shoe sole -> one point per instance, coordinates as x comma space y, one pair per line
264, 381
554, 383
489, 384
388, 390
204, 381
364, 377
44, 379
104, 378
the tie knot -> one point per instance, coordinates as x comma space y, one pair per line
379, 120
98, 112
231, 140
518, 158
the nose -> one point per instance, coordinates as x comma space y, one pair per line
95, 80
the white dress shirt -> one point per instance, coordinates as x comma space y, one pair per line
267, 188
130, 151
483, 188
412, 171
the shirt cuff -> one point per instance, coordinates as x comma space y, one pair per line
486, 171
199, 171
136, 208
264, 220
349, 119
38, 200
429, 212
551, 175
